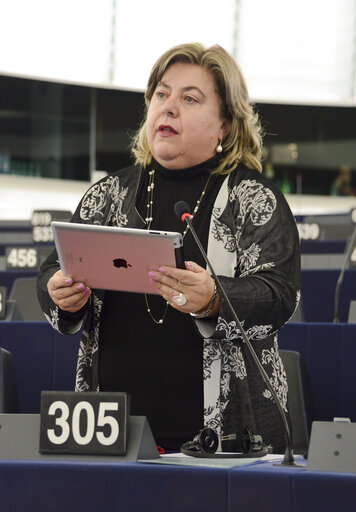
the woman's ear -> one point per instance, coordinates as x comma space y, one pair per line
225, 128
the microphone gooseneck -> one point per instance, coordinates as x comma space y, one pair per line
341, 275
182, 210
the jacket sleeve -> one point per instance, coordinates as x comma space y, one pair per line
265, 288
106, 202
62, 321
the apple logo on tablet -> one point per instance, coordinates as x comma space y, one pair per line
121, 263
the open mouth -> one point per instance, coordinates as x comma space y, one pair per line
166, 129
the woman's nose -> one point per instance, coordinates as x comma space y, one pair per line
170, 108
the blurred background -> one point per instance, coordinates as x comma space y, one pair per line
73, 72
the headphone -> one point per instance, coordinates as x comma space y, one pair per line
206, 442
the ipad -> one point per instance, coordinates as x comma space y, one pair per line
115, 258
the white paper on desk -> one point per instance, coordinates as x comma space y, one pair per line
272, 456
186, 460
180, 459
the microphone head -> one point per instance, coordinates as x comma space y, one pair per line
181, 209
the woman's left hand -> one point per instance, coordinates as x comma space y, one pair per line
195, 284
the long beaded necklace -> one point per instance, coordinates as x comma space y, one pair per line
149, 219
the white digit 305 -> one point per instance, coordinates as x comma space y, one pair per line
87, 436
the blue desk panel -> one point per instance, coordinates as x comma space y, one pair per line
325, 491
43, 360
261, 487
7, 277
91, 487
46, 360
264, 487
318, 292
322, 246
135, 487
329, 351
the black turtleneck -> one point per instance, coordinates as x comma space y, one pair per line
160, 365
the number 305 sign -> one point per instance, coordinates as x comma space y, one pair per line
87, 423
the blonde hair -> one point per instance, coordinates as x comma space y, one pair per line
243, 142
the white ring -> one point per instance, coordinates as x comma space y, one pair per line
179, 300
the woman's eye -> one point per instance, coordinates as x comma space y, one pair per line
189, 99
160, 95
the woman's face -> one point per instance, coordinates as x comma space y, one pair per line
183, 121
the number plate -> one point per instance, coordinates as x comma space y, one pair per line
23, 258
87, 423
41, 223
42, 234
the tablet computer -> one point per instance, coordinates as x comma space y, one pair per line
115, 258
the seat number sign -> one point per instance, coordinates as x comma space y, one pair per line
86, 423
23, 258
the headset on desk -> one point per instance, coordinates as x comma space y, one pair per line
206, 442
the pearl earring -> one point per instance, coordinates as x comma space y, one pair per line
219, 147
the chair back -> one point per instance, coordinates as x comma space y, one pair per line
299, 404
25, 294
8, 389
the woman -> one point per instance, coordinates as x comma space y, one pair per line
199, 142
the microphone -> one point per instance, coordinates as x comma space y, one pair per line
341, 275
182, 211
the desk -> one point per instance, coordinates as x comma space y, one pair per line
262, 487
46, 360
329, 351
43, 360
322, 246
7, 277
318, 291
27, 486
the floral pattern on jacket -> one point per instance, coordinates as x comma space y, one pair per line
253, 246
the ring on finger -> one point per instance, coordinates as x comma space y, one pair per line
179, 300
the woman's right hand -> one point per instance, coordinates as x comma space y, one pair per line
67, 295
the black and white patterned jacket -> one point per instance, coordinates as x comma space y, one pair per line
253, 246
